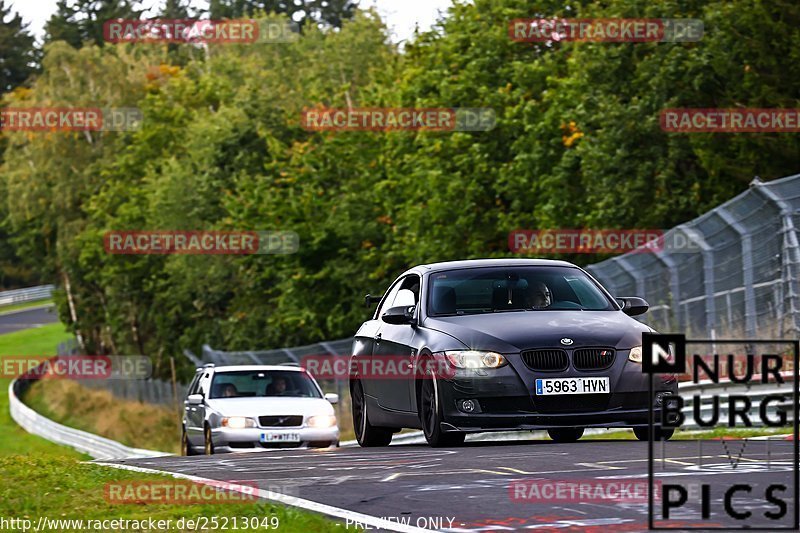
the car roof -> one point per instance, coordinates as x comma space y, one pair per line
472, 263
235, 368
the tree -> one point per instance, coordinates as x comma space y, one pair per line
325, 12
18, 54
81, 21
175, 9
577, 144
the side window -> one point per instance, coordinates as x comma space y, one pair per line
203, 384
389, 300
410, 283
193, 385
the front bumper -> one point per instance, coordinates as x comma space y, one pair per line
504, 399
249, 439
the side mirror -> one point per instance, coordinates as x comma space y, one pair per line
195, 399
370, 299
333, 398
633, 306
403, 314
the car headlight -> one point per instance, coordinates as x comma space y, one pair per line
636, 354
475, 359
322, 421
238, 422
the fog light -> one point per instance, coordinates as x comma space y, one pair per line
468, 406
664, 398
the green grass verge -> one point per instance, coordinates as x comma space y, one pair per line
735, 433
135, 424
42, 479
24, 305
14, 439
63, 488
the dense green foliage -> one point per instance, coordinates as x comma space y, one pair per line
81, 21
577, 144
18, 55
326, 12
18, 62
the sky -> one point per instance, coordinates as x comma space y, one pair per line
400, 15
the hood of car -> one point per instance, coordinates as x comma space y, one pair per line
510, 332
270, 406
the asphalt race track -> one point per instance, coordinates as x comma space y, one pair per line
27, 318
471, 485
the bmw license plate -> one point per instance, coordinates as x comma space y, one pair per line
280, 437
545, 387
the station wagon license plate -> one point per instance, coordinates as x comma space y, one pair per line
280, 437
545, 387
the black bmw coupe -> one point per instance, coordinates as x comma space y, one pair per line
506, 344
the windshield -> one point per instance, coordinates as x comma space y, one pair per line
263, 383
524, 288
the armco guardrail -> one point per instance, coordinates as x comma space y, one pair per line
94, 445
707, 390
30, 294
106, 449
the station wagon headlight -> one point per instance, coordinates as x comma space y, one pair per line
475, 359
636, 354
238, 422
322, 421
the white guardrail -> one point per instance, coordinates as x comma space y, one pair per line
94, 445
106, 449
705, 391
30, 294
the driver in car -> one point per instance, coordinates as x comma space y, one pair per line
277, 387
539, 296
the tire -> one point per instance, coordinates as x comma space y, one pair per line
430, 415
565, 434
209, 443
186, 447
367, 435
643, 433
